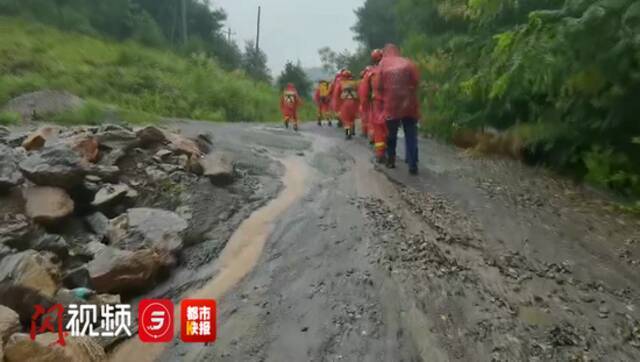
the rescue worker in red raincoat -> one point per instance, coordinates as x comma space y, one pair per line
322, 97
374, 99
399, 81
332, 91
346, 100
290, 101
365, 104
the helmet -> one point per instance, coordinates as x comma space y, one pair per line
365, 71
376, 56
347, 74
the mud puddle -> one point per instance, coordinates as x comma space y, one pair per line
237, 259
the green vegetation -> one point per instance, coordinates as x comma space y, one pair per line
563, 74
9, 118
139, 82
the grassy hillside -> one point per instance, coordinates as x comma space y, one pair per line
142, 82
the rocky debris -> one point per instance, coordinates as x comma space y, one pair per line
45, 349
4, 133
15, 230
47, 205
9, 323
218, 167
10, 175
119, 271
43, 103
142, 228
38, 271
110, 194
56, 166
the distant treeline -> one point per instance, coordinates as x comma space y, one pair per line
564, 75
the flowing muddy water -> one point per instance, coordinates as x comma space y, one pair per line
238, 258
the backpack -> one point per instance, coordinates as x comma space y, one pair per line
349, 89
324, 89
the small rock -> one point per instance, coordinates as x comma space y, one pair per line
10, 175
15, 231
218, 167
155, 174
9, 323
98, 223
117, 139
36, 140
85, 146
110, 194
304, 329
77, 278
161, 155
47, 205
53, 243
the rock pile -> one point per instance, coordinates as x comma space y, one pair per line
94, 209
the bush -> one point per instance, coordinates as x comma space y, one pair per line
9, 118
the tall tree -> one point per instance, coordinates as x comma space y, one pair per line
293, 73
376, 23
254, 62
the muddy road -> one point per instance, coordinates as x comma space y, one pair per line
337, 260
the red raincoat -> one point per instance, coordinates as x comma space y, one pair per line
346, 101
289, 103
399, 79
333, 92
323, 101
364, 94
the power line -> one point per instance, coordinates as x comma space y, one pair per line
258, 32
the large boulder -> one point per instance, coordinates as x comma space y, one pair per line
43, 103
145, 228
218, 167
47, 205
57, 166
9, 323
45, 349
120, 271
31, 269
10, 175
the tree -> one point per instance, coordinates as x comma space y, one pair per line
376, 24
293, 73
333, 61
254, 63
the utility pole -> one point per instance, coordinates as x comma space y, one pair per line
185, 35
258, 35
229, 33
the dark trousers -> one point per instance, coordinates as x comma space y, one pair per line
410, 127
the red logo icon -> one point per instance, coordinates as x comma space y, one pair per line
155, 319
48, 321
198, 320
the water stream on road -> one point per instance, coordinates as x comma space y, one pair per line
238, 258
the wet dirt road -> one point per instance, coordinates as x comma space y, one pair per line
473, 260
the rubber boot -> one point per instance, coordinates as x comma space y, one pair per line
286, 124
320, 123
391, 162
330, 125
413, 171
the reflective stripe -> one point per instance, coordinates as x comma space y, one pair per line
380, 145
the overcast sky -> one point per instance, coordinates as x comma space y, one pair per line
293, 29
